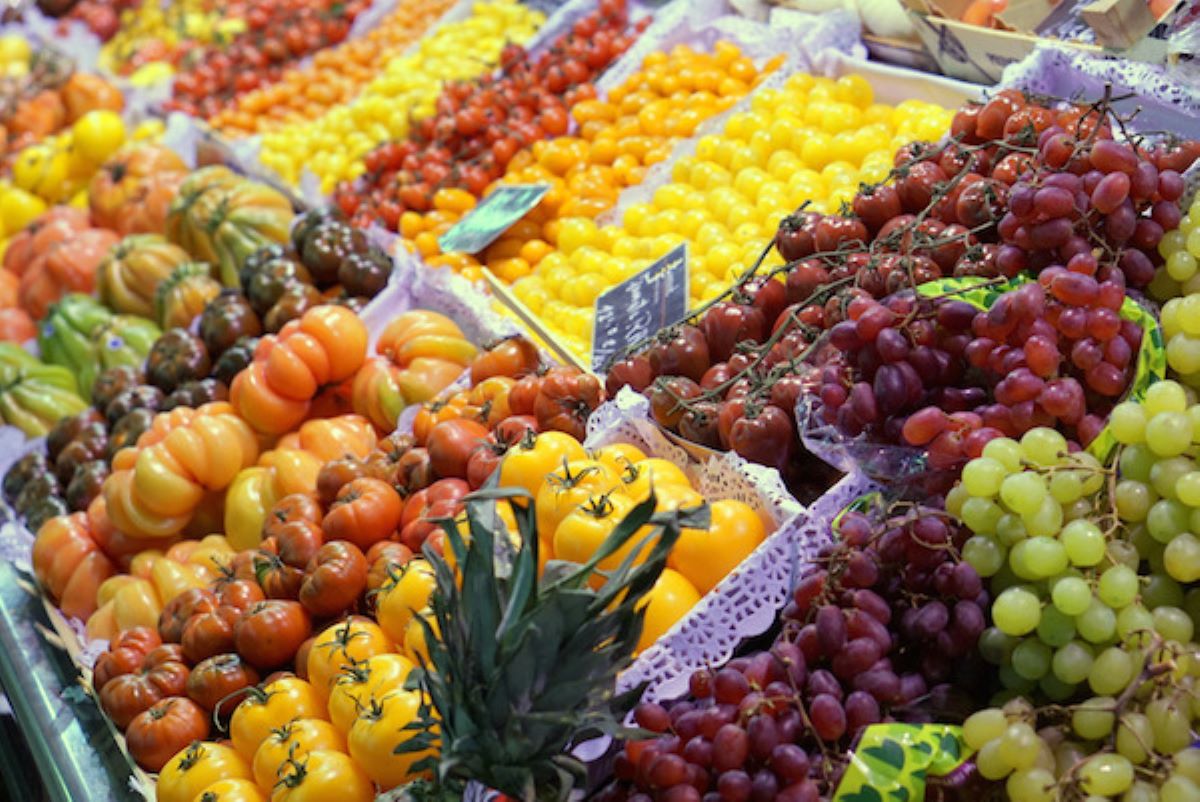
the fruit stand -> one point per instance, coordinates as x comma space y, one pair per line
617, 400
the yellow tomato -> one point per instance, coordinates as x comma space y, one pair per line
231, 791
414, 636
14, 48
376, 733
270, 708
372, 677
705, 557
398, 601
668, 601
527, 464
343, 644
618, 456
247, 504
136, 604
652, 472
294, 739
581, 532
195, 768
568, 486
40, 169
324, 776
172, 578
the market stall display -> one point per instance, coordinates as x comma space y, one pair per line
890, 496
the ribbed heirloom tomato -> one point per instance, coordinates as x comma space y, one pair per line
366, 511
334, 579
269, 632
160, 732
451, 444
219, 683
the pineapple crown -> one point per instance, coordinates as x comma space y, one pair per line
519, 669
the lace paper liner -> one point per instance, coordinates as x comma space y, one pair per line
746, 603
1167, 99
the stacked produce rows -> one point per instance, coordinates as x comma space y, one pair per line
344, 529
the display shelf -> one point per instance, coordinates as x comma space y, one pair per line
72, 745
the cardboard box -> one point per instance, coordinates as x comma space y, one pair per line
978, 54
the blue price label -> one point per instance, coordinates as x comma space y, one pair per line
638, 307
493, 215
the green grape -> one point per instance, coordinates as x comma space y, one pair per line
1049, 556
1161, 589
1172, 729
1023, 492
1169, 315
1178, 788
1073, 662
1093, 719
1106, 774
995, 646
1030, 785
1165, 474
1020, 745
1181, 265
1047, 520
1055, 689
1006, 451
1084, 543
1135, 737
1043, 446
1066, 486
954, 500
1031, 658
1189, 319
1167, 519
1169, 434
1191, 604
983, 726
1072, 596
1173, 624
1194, 413
1010, 529
982, 477
991, 763
1140, 791
1181, 558
1097, 623
1016, 611
1078, 509
1091, 471
1139, 536
1056, 627
1003, 580
1111, 671
1135, 463
1183, 353
1134, 618
1187, 488
981, 515
1118, 586
1013, 681
1020, 561
983, 554
1133, 500
1187, 763
1174, 240
1124, 553
1164, 396
1127, 422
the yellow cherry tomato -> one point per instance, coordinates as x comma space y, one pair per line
363, 680
376, 733
398, 601
568, 486
269, 708
324, 776
231, 791
668, 601
295, 739
340, 645
195, 768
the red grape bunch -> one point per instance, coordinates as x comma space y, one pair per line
877, 627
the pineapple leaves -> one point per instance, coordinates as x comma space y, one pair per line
519, 670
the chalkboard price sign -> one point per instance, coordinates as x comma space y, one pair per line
636, 308
493, 215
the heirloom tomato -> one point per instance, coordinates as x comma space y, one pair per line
295, 739
324, 775
570, 485
195, 769
270, 707
366, 511
231, 791
340, 645
334, 579
219, 683
401, 598
376, 733
161, 675
451, 444
359, 681
705, 556
528, 462
157, 734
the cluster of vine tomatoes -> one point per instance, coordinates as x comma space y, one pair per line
480, 126
278, 33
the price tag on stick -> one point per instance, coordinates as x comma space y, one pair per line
491, 217
636, 308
